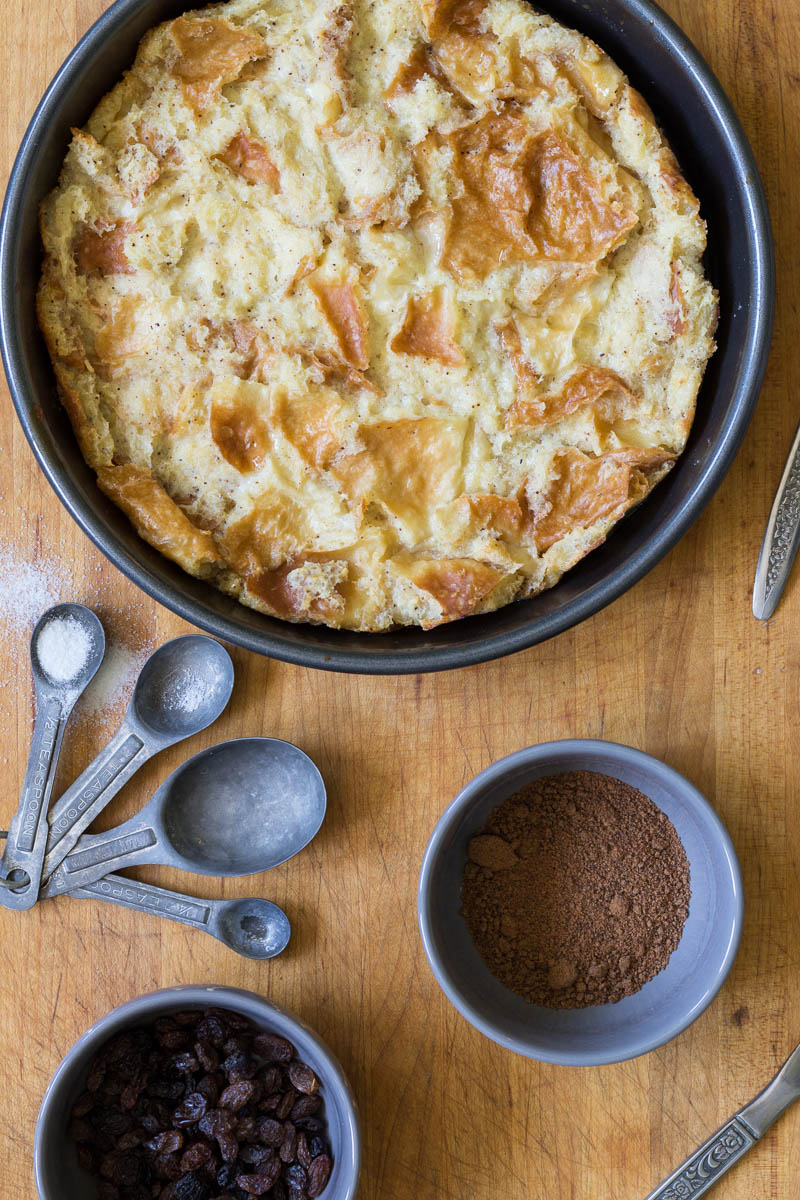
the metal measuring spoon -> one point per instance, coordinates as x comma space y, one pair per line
21, 864
235, 809
251, 926
182, 688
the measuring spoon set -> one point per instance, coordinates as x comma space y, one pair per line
237, 808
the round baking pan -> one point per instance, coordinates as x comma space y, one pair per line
711, 147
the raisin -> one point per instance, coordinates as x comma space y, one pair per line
107, 1190
170, 1036
271, 1079
228, 1147
286, 1105
288, 1150
255, 1155
226, 1175
302, 1078
236, 1095
210, 1086
194, 1107
216, 1121
83, 1104
211, 1028
167, 1166
191, 1187
312, 1124
270, 1103
80, 1131
273, 1048
269, 1131
259, 1183
198, 1155
304, 1155
318, 1175
296, 1176
239, 1065
306, 1106
87, 1159
317, 1146
166, 1143
185, 1062
129, 1169
189, 1016
206, 1055
168, 1087
97, 1073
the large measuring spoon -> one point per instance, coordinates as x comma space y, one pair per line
69, 641
251, 926
182, 688
235, 809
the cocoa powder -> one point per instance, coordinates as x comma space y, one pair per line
576, 890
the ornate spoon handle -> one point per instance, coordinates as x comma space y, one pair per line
702, 1170
781, 538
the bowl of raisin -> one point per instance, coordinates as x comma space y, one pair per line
198, 1093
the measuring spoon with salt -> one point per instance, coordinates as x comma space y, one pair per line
237, 808
182, 688
250, 926
67, 647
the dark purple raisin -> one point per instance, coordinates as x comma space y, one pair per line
184, 1063
286, 1105
226, 1175
245, 1129
167, 1166
306, 1106
303, 1079
130, 1169
191, 1187
216, 1121
317, 1146
168, 1087
211, 1086
254, 1156
97, 1073
270, 1103
189, 1016
259, 1183
170, 1036
311, 1124
288, 1149
297, 1193
239, 1065
269, 1131
194, 1107
296, 1176
198, 1155
236, 1095
318, 1175
206, 1055
166, 1143
211, 1028
273, 1048
83, 1104
228, 1147
271, 1079
304, 1154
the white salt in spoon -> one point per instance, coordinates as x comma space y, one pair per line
67, 647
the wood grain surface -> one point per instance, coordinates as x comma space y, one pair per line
678, 667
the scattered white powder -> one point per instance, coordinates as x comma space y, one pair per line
185, 691
28, 587
113, 683
62, 648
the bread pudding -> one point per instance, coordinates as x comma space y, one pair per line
377, 312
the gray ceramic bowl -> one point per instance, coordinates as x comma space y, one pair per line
58, 1176
609, 1032
713, 151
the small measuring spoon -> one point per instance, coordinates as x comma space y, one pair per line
234, 809
182, 688
22, 862
253, 927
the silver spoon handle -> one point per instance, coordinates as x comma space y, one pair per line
27, 835
128, 845
705, 1167
781, 538
75, 810
146, 897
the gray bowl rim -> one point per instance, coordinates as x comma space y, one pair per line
484, 647
585, 748
186, 995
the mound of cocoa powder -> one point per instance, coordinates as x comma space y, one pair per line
576, 890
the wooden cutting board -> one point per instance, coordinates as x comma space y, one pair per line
677, 667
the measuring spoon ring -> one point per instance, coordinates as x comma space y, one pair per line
22, 862
253, 927
237, 808
182, 688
